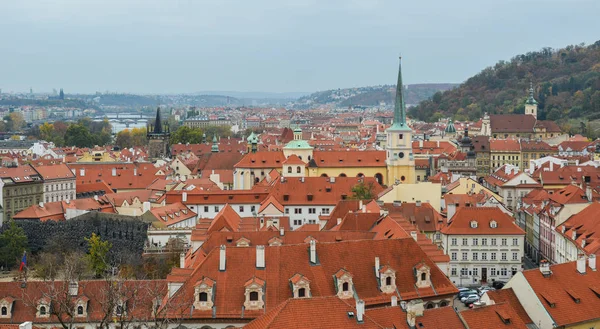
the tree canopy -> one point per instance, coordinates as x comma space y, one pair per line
13, 242
97, 252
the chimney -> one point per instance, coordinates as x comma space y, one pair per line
222, 259
134, 171
184, 197
545, 268
146, 206
592, 262
360, 310
588, 193
96, 197
377, 267
114, 172
581, 263
551, 165
360, 204
313, 252
418, 203
414, 235
260, 256
42, 204
414, 309
82, 172
332, 179
73, 288
339, 220
26, 325
281, 231
394, 301
181, 260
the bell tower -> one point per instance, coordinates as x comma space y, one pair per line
399, 157
531, 106
158, 138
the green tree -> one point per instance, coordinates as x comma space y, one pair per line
124, 139
362, 191
13, 242
97, 251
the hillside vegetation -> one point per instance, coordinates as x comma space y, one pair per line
566, 85
373, 95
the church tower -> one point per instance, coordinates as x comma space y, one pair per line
531, 105
158, 138
400, 161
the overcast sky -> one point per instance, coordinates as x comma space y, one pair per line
152, 46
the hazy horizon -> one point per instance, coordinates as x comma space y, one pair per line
267, 46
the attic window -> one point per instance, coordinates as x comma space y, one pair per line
286, 197
548, 300
573, 296
230, 197
309, 197
344, 196
493, 224
596, 291
473, 224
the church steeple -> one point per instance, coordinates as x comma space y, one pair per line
215, 145
531, 100
399, 106
158, 129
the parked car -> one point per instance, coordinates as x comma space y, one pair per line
461, 289
470, 299
464, 293
483, 290
471, 296
498, 284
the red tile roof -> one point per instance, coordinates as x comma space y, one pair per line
505, 145
498, 316
329, 159
507, 295
574, 296
318, 190
172, 213
59, 171
483, 216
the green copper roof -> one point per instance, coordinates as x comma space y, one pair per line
450, 128
298, 144
253, 138
215, 146
399, 106
531, 100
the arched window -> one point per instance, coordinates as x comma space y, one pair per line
343, 175
253, 296
4, 310
302, 292
79, 310
388, 281
298, 169
289, 170
379, 178
403, 178
42, 310
360, 175
443, 303
345, 286
324, 175
203, 297
429, 306
423, 276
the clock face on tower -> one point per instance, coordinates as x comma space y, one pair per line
401, 155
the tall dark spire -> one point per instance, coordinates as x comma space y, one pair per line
399, 106
158, 129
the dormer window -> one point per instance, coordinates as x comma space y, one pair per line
300, 286
120, 308
43, 308
79, 310
242, 242
493, 224
254, 291
81, 307
423, 275
473, 224
6, 307
204, 294
387, 277
275, 242
344, 286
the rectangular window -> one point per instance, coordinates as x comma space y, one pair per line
453, 272
205, 208
475, 241
400, 136
253, 208
464, 256
453, 241
297, 222
464, 241
515, 256
503, 256
325, 211
475, 256
493, 241
503, 272
454, 256
484, 256
475, 271
216, 208
515, 242
287, 210
463, 271
504, 241
241, 208
484, 241
312, 210
493, 256
297, 211
492, 272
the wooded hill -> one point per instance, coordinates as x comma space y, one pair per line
566, 85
